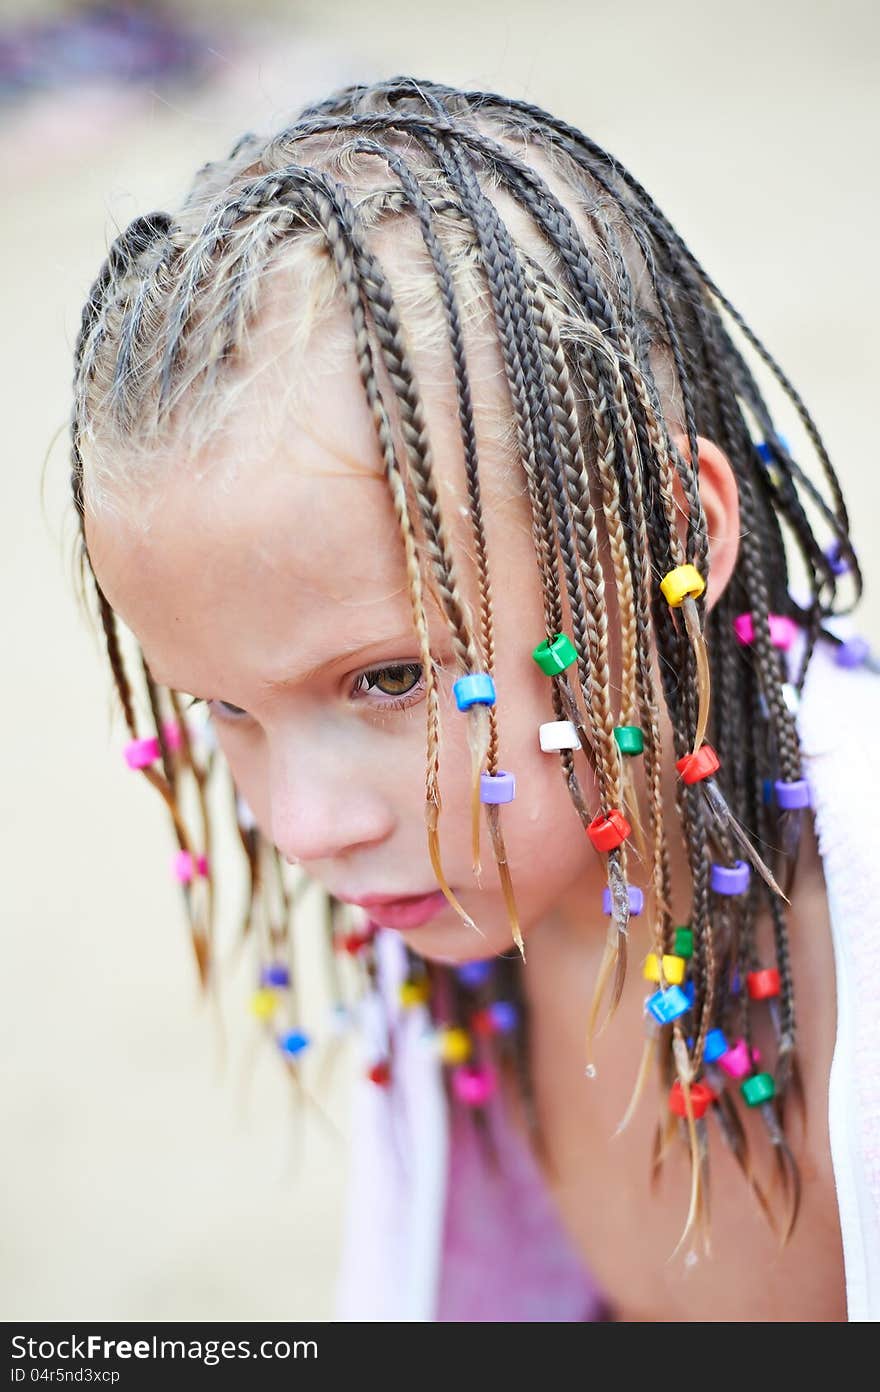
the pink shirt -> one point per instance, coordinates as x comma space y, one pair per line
432, 1234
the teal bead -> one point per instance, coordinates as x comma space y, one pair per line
757, 1089
684, 942
630, 739
553, 658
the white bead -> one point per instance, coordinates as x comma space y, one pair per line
558, 734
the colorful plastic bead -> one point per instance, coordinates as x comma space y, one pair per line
765, 450
684, 941
139, 753
353, 943
792, 795
714, 1046
476, 689
685, 582
474, 1084
504, 1016
497, 787
606, 833
553, 658
730, 879
694, 767
636, 900
838, 565
264, 1003
673, 968
455, 1045
736, 1062
630, 739
182, 866
783, 630
702, 1098
474, 974
558, 734
171, 731
275, 974
293, 1042
689, 990
758, 1089
667, 1005
202, 865
852, 652
246, 819
413, 993
763, 984
380, 1073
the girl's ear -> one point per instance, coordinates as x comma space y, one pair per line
720, 499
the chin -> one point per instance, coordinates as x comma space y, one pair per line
453, 944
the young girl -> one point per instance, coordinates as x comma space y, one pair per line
419, 446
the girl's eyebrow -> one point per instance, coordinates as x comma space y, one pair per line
300, 678
352, 649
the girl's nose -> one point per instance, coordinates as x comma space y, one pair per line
324, 808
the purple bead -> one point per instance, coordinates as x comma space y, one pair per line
474, 974
504, 1015
727, 879
790, 795
636, 900
838, 565
498, 787
852, 652
276, 974
735, 982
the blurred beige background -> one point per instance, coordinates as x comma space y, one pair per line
141, 1181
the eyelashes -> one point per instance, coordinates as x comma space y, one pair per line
406, 677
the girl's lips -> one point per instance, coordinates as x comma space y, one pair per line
408, 913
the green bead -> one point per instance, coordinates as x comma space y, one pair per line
758, 1089
554, 657
629, 739
684, 942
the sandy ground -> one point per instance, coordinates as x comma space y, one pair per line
140, 1179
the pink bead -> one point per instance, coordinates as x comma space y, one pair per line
783, 630
474, 1085
141, 752
202, 865
736, 1061
183, 867
171, 730
744, 628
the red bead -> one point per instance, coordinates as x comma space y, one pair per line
606, 833
693, 767
483, 1024
763, 984
701, 1098
380, 1074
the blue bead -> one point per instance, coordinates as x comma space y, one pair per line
276, 974
504, 1015
768, 791
689, 991
293, 1042
636, 900
476, 689
764, 450
715, 1045
474, 974
667, 1005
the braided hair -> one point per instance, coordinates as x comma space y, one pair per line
601, 318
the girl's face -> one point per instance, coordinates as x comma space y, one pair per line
279, 593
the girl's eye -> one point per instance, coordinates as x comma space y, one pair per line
401, 682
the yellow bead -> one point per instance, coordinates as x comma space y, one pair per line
673, 968
455, 1045
414, 993
264, 1003
683, 582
